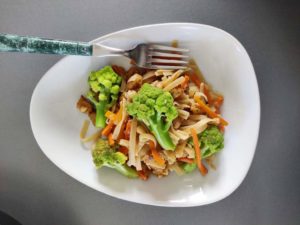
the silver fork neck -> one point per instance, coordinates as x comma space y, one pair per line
103, 50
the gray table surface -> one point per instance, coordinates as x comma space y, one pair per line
34, 191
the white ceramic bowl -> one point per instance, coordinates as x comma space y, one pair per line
227, 67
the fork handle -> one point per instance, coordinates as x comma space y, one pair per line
15, 43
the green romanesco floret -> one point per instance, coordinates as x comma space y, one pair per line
104, 89
106, 155
155, 108
211, 141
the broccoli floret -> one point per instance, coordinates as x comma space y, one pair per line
211, 141
106, 155
104, 89
155, 108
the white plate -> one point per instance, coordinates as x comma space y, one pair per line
227, 67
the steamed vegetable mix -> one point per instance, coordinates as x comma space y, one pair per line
153, 121
104, 89
108, 156
155, 108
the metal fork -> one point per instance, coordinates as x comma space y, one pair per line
146, 55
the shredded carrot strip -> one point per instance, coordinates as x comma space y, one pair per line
196, 69
127, 130
201, 167
108, 128
195, 79
218, 101
110, 139
208, 95
156, 156
186, 160
208, 111
124, 150
221, 128
110, 115
185, 83
142, 175
119, 114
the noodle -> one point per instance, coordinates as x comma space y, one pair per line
155, 83
138, 163
184, 99
132, 143
181, 105
174, 138
170, 79
179, 151
124, 143
140, 130
174, 84
190, 152
182, 135
148, 75
187, 123
192, 89
210, 162
123, 86
93, 137
202, 95
129, 95
84, 129
177, 169
201, 125
170, 156
197, 117
144, 138
183, 114
161, 72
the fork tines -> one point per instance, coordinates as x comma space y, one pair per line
165, 57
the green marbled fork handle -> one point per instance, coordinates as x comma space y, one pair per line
15, 43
